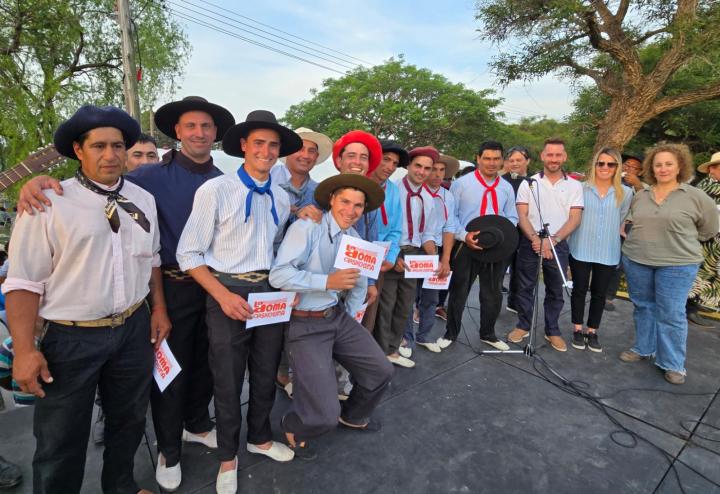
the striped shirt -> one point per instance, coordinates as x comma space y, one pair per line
217, 235
597, 239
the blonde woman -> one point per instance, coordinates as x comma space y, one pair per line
595, 245
661, 256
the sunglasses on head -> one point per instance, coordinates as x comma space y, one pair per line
609, 164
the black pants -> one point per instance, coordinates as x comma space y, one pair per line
465, 269
117, 360
395, 304
513, 284
527, 271
184, 403
232, 349
312, 344
597, 277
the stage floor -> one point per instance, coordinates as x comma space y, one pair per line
464, 422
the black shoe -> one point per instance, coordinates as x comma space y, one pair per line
304, 452
504, 290
609, 306
698, 320
10, 474
592, 342
578, 340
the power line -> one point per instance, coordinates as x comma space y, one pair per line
201, 22
289, 34
175, 5
344, 56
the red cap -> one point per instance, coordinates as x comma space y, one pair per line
428, 151
370, 142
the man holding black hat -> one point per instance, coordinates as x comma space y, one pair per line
321, 328
389, 221
99, 331
227, 247
482, 199
180, 413
420, 225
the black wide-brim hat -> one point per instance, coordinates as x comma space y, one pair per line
498, 237
389, 146
290, 142
90, 117
633, 155
374, 194
167, 116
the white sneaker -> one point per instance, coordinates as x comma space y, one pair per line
497, 344
401, 361
226, 482
443, 343
405, 351
433, 347
169, 478
209, 439
278, 451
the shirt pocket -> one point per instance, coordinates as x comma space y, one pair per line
142, 241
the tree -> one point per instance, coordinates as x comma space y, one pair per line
56, 55
603, 41
400, 101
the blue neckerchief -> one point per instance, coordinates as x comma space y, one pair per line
250, 184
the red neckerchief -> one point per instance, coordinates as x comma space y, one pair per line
489, 189
382, 208
438, 196
408, 208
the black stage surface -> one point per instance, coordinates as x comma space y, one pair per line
466, 423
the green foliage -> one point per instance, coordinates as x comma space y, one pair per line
56, 55
400, 101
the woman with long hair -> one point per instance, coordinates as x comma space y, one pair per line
595, 244
661, 256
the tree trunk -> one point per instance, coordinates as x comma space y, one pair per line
623, 120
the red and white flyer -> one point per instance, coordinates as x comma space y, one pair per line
361, 313
435, 283
166, 367
421, 266
269, 308
359, 254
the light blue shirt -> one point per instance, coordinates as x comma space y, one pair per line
597, 239
298, 197
444, 209
304, 260
393, 230
468, 193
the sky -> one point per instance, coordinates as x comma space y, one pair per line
440, 36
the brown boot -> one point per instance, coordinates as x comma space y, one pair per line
674, 377
557, 343
630, 356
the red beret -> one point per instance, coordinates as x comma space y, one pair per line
370, 142
428, 151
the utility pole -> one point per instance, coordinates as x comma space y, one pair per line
132, 99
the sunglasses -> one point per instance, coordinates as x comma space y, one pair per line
609, 164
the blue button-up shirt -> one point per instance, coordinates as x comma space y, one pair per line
304, 260
392, 231
298, 197
468, 193
597, 239
446, 212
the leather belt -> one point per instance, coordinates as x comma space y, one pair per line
112, 321
250, 276
174, 273
314, 313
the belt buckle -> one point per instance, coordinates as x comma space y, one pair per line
116, 320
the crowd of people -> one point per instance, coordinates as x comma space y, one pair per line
107, 265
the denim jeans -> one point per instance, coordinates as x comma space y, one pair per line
426, 303
659, 294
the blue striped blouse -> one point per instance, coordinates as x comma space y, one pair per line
597, 239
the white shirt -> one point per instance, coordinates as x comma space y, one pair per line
433, 226
216, 234
70, 256
552, 201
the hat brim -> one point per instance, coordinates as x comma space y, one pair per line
704, 167
374, 195
452, 165
290, 142
502, 250
403, 156
69, 131
324, 144
167, 116
368, 140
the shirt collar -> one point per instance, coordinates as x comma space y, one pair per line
333, 227
178, 157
